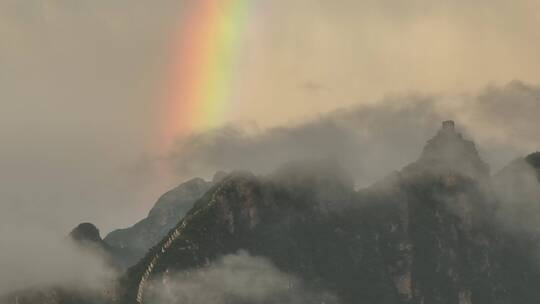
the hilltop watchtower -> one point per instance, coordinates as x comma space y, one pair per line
449, 126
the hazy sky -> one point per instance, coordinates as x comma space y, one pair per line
80, 80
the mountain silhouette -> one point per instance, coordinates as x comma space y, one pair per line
429, 233
441, 230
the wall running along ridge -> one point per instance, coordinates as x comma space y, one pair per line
173, 237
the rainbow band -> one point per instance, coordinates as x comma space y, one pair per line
204, 71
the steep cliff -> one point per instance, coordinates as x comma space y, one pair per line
132, 243
427, 234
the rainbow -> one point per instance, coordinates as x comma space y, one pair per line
204, 70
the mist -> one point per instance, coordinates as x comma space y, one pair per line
35, 255
238, 277
81, 83
364, 83
372, 141
517, 189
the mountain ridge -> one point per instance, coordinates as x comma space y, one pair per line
166, 212
426, 235
441, 230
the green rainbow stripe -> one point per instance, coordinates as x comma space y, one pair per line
204, 70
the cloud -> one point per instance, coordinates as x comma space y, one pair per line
235, 278
371, 141
507, 114
81, 82
77, 81
313, 87
517, 188
35, 255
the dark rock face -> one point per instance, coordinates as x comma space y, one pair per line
440, 231
448, 152
86, 232
132, 243
426, 235
87, 236
534, 160
445, 235
266, 217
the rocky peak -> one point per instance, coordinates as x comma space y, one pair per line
534, 161
134, 241
87, 236
86, 232
427, 234
448, 152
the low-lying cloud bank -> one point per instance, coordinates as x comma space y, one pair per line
372, 141
34, 255
236, 278
517, 188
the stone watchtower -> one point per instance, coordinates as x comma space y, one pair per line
448, 126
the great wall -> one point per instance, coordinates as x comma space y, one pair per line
172, 238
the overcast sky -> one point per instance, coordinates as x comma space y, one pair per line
80, 80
